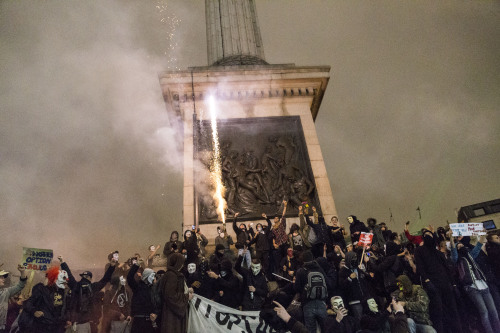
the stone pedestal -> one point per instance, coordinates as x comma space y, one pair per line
247, 92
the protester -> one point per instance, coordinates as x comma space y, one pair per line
356, 227
7, 293
255, 287
174, 245
144, 308
175, 296
474, 282
84, 296
262, 243
48, 304
437, 281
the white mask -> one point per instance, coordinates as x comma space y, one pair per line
188, 234
255, 268
337, 303
123, 281
372, 305
222, 235
62, 278
191, 268
223, 273
116, 256
259, 229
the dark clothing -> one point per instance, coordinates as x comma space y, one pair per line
252, 300
229, 285
192, 249
242, 236
52, 302
355, 289
337, 236
143, 300
167, 249
206, 288
175, 302
85, 296
301, 279
357, 226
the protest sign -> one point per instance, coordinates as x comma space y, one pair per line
467, 229
208, 316
365, 239
36, 259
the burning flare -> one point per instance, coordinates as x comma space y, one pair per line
216, 167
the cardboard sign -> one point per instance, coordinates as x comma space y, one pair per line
37, 259
365, 239
467, 229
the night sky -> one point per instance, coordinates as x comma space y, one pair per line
88, 163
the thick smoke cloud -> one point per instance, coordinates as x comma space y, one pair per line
89, 159
89, 163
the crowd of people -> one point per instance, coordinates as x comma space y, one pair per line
306, 277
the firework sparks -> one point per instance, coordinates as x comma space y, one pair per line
216, 167
171, 21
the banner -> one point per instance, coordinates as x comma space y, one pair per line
365, 239
36, 259
208, 316
467, 229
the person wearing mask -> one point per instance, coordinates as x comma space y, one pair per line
116, 304
416, 304
310, 283
175, 296
339, 319
224, 239
190, 248
473, 281
356, 227
289, 265
437, 281
7, 293
226, 285
84, 297
48, 302
243, 238
353, 281
217, 258
174, 245
144, 307
199, 280
261, 241
254, 282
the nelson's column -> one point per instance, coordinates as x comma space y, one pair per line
269, 150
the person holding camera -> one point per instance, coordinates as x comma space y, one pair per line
6, 293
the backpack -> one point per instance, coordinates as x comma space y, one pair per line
85, 298
315, 288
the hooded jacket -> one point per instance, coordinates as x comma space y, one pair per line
356, 226
356, 289
416, 299
431, 263
168, 245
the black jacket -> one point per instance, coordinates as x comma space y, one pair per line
252, 301
143, 300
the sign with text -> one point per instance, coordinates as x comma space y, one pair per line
467, 229
209, 316
37, 259
365, 239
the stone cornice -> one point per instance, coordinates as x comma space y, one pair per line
244, 83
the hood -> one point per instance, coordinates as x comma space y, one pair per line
349, 256
406, 283
323, 263
392, 249
174, 232
175, 262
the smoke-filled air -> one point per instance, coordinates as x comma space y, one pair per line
89, 162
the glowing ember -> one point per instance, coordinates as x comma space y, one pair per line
216, 169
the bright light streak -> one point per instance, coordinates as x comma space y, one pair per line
216, 167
